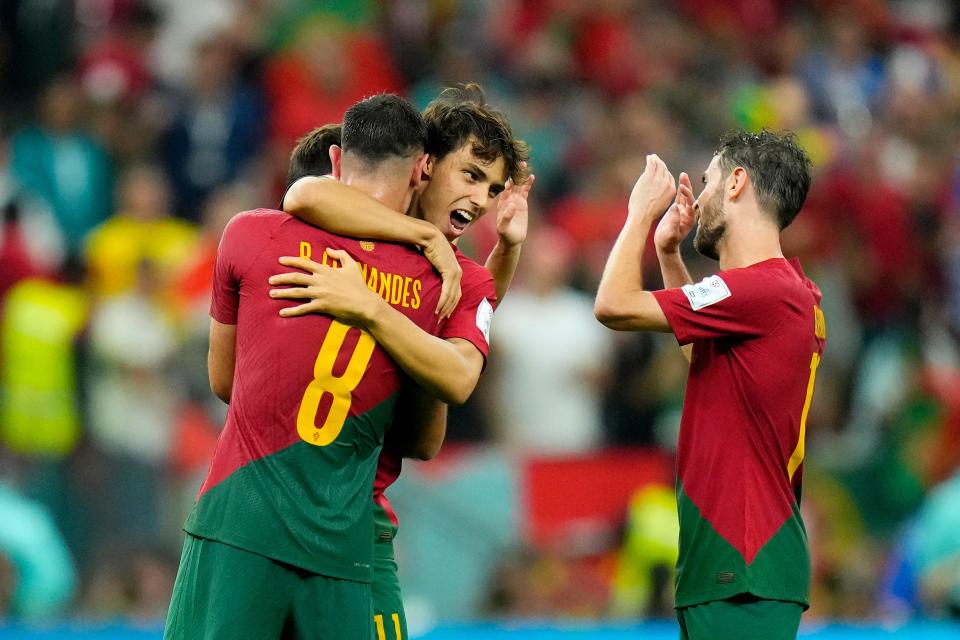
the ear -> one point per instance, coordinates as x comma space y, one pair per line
737, 182
336, 156
428, 167
420, 170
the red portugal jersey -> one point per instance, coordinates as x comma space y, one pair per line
758, 335
293, 470
470, 321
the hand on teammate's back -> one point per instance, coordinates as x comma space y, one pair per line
653, 191
678, 220
340, 292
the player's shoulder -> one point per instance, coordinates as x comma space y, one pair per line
473, 271
256, 218
778, 282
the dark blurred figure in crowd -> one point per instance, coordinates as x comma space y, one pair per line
219, 127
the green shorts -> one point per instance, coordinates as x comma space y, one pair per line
389, 620
742, 617
223, 592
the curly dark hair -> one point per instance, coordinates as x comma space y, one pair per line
461, 113
778, 167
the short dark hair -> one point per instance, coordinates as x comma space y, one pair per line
381, 127
311, 156
777, 165
461, 112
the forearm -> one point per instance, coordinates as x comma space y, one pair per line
221, 359
502, 264
437, 365
674, 272
342, 209
622, 303
623, 274
675, 275
420, 427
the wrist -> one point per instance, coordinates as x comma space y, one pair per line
425, 233
507, 248
668, 252
371, 311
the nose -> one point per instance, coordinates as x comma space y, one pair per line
480, 199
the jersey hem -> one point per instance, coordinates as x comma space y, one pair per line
329, 570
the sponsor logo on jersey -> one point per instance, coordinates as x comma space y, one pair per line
366, 245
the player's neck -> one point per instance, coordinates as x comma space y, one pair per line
750, 240
380, 189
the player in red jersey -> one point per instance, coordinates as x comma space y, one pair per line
279, 541
473, 155
754, 334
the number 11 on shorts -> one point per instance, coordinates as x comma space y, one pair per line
381, 632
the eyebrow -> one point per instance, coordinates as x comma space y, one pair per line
496, 187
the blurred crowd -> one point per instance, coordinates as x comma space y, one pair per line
131, 130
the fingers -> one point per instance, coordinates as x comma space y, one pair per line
299, 310
449, 294
305, 264
293, 293
297, 279
526, 186
342, 256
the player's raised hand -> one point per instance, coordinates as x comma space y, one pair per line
339, 292
513, 211
653, 191
677, 222
439, 252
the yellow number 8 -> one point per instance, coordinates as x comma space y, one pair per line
340, 387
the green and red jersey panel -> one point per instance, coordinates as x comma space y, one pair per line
312, 398
470, 321
758, 335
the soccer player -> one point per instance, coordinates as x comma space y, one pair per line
279, 541
473, 156
755, 335
312, 153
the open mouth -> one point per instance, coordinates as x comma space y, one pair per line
460, 218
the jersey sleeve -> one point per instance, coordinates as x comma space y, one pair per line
473, 316
237, 247
731, 303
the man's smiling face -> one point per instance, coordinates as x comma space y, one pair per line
460, 188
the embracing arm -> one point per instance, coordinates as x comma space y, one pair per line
449, 369
622, 303
339, 208
221, 358
420, 424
